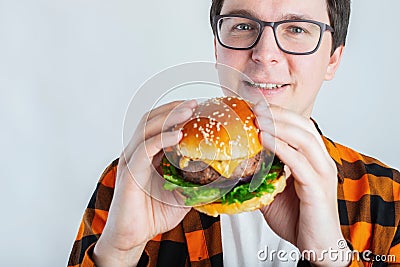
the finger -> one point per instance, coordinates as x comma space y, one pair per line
297, 163
145, 152
166, 115
166, 120
302, 165
266, 113
297, 131
289, 127
168, 107
303, 142
142, 170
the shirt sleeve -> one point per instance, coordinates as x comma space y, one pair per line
94, 219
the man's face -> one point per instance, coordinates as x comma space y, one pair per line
300, 75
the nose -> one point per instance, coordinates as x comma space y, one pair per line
267, 51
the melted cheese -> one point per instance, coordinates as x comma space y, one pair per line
183, 162
223, 167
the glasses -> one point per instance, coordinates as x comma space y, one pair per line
296, 37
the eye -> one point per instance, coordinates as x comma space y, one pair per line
296, 30
243, 27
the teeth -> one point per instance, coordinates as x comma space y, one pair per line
266, 85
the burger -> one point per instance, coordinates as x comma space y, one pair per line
219, 165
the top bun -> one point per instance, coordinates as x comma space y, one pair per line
221, 129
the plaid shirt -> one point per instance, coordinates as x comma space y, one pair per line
369, 210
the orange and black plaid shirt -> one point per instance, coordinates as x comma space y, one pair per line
368, 203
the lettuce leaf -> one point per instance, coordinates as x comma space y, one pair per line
196, 194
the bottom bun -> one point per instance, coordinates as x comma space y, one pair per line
214, 209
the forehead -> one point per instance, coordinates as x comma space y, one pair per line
273, 10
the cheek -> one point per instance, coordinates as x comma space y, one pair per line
309, 75
312, 68
232, 58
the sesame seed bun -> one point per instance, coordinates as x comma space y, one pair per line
221, 129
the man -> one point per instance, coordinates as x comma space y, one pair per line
288, 60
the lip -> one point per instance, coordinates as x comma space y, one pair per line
266, 91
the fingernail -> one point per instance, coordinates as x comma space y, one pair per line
266, 136
265, 123
191, 103
267, 140
179, 134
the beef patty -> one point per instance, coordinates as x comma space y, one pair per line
207, 174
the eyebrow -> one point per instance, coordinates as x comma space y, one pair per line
248, 13
242, 12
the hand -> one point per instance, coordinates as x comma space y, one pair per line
134, 217
306, 212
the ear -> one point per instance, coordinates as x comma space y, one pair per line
334, 63
215, 49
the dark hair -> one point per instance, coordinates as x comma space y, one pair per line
338, 12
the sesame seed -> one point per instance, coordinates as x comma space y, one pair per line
234, 105
218, 126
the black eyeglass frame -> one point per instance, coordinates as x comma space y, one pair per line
322, 26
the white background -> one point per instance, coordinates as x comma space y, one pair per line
68, 69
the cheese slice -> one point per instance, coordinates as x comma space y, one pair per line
183, 162
224, 167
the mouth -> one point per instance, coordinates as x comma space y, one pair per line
265, 86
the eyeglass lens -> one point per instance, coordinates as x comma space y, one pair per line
297, 36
